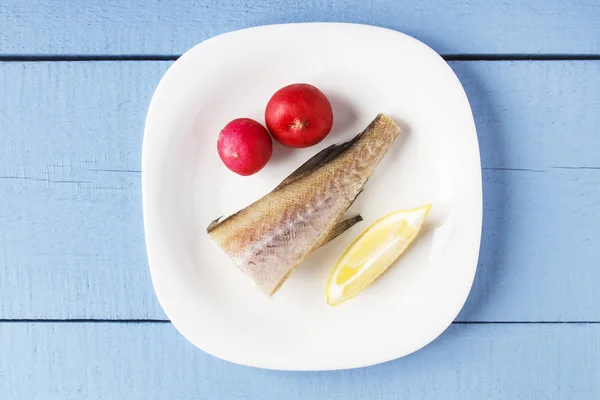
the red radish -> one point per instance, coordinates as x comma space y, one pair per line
299, 115
244, 146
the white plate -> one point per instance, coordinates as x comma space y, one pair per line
363, 70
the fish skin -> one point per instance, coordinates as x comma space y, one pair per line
268, 239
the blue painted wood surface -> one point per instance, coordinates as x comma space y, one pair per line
71, 234
72, 218
67, 361
155, 27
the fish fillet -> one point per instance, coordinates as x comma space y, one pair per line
268, 239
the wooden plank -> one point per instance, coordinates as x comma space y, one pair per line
535, 115
71, 243
46, 27
538, 261
152, 361
72, 240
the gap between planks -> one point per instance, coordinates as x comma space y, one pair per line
173, 57
166, 321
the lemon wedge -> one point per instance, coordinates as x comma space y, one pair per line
373, 252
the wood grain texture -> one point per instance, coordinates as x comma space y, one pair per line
152, 361
48, 27
70, 184
72, 246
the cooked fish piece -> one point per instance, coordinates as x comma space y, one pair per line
268, 239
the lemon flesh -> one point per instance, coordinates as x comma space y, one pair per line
373, 252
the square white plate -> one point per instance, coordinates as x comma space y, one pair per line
363, 70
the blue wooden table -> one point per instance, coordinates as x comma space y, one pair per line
78, 316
